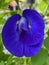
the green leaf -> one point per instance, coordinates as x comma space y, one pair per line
7, 1
3, 57
9, 61
3, 4
22, 0
42, 5
1, 63
17, 1
48, 61
1, 45
45, 36
2, 21
1, 15
40, 58
46, 42
19, 12
46, 28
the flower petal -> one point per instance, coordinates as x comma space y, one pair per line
36, 26
23, 23
32, 50
10, 36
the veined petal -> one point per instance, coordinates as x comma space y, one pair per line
36, 30
10, 36
32, 50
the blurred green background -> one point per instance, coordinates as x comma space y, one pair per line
42, 58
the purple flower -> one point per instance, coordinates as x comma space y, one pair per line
24, 35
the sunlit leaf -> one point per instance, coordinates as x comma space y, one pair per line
1, 45
7, 1
42, 5
40, 58
46, 28
45, 36
9, 61
3, 57
1, 63
46, 42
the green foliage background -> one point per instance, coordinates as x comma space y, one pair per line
42, 58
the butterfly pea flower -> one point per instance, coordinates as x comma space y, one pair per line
24, 35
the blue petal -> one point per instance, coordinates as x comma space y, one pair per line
36, 31
32, 50
10, 36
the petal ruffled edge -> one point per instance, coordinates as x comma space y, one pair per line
34, 16
30, 51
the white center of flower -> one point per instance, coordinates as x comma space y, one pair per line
23, 23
